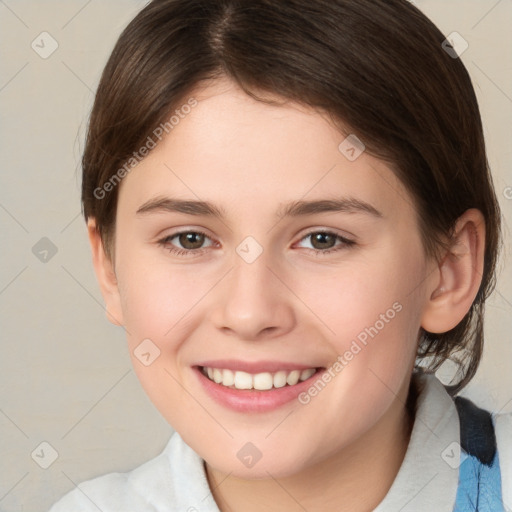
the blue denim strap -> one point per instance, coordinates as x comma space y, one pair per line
479, 487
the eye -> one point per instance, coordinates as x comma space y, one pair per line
191, 242
324, 242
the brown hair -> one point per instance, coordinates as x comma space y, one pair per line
376, 66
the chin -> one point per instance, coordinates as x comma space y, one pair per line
248, 463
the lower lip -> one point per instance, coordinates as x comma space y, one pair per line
251, 400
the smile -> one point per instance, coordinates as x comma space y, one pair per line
259, 381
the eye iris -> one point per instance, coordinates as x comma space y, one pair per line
195, 239
321, 239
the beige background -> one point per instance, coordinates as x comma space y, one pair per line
66, 377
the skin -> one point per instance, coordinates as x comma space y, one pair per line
344, 448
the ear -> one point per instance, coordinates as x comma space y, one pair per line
458, 276
106, 276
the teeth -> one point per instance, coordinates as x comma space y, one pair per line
259, 381
217, 375
263, 381
228, 378
293, 378
305, 374
243, 380
280, 379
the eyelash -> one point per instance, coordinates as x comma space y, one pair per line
164, 242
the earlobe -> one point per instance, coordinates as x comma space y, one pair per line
106, 276
459, 275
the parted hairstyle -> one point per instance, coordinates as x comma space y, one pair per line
376, 67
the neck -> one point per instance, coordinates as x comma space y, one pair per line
356, 479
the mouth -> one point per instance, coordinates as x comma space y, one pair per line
255, 387
263, 381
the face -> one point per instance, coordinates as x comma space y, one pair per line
303, 260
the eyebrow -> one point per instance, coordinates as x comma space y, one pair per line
293, 209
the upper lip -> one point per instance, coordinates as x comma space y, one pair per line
255, 366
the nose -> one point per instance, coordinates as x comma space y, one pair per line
253, 302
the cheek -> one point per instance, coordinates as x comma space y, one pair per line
154, 306
158, 307
371, 312
364, 295
155, 297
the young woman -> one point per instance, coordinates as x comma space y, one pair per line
291, 213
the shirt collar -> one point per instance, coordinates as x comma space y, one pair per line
428, 477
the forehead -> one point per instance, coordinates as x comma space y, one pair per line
233, 149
